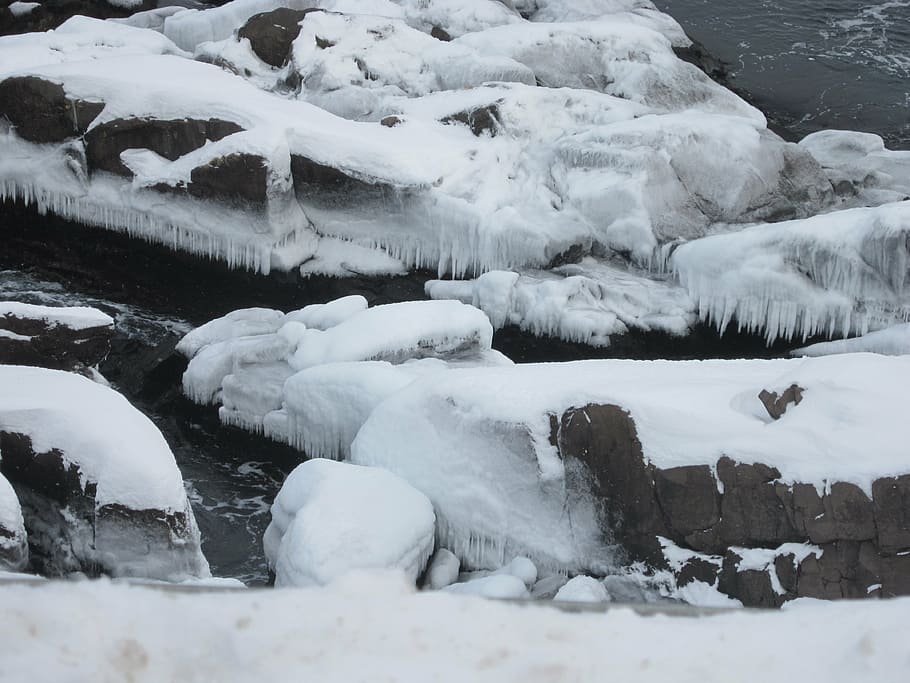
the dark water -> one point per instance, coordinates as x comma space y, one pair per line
813, 64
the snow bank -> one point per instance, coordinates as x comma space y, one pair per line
73, 317
892, 341
331, 518
836, 274
371, 628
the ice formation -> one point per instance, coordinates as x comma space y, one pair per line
312, 377
331, 518
123, 467
13, 539
840, 273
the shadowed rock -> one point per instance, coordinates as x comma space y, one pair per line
52, 346
891, 505
271, 34
481, 120
777, 405
170, 138
234, 176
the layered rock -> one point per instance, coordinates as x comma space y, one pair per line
64, 338
99, 488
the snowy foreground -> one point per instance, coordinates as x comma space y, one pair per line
563, 152
372, 628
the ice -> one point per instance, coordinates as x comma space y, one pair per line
244, 322
891, 341
835, 274
634, 11
324, 316
251, 392
20, 9
331, 518
73, 317
586, 302
501, 586
340, 258
207, 369
443, 569
583, 589
13, 539
858, 163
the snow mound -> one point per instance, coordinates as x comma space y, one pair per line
332, 518
892, 341
840, 273
587, 302
13, 539
583, 589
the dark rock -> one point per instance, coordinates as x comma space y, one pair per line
697, 55
40, 111
233, 177
751, 587
481, 120
53, 346
390, 121
688, 497
787, 571
895, 576
440, 34
272, 33
573, 254
809, 517
170, 138
49, 15
777, 405
697, 569
605, 440
328, 187
891, 505
851, 511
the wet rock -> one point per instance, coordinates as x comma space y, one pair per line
170, 138
271, 34
40, 111
481, 120
688, 497
891, 505
233, 177
777, 405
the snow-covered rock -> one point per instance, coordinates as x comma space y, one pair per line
332, 518
13, 538
443, 569
499, 586
839, 273
98, 483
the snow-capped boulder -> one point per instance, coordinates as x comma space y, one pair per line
243, 322
836, 274
331, 518
55, 337
99, 487
597, 461
498, 586
583, 589
13, 538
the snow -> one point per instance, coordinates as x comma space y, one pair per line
373, 628
499, 586
443, 569
96, 430
73, 317
477, 441
242, 322
6, 334
583, 589
835, 274
330, 314
12, 526
331, 518
762, 559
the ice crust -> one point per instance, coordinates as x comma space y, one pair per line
331, 518
891, 341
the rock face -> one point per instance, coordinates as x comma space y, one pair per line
37, 335
171, 138
41, 112
272, 33
99, 489
863, 543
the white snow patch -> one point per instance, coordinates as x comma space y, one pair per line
583, 589
73, 317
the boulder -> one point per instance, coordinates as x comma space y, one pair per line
271, 34
233, 177
481, 120
40, 111
60, 338
169, 138
13, 538
329, 187
99, 488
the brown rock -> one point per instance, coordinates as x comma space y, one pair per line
272, 33
688, 497
53, 346
891, 506
40, 111
777, 405
481, 120
234, 177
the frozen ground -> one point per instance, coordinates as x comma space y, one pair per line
370, 628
